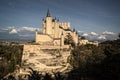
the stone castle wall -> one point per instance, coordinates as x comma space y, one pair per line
43, 38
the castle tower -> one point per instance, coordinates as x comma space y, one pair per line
48, 23
56, 29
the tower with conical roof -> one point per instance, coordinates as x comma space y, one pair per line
48, 23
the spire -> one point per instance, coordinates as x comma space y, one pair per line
48, 13
74, 30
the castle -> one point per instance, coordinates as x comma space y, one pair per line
51, 55
54, 32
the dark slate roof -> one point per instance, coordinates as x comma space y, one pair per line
48, 13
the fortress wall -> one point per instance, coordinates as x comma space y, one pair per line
57, 42
45, 58
33, 48
43, 38
37, 48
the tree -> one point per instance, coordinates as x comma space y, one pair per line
58, 76
11, 56
69, 40
34, 75
47, 77
110, 68
96, 63
10, 77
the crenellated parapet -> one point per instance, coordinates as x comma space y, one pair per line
65, 25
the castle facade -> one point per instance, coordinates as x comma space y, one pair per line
54, 32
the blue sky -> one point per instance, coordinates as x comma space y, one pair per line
88, 16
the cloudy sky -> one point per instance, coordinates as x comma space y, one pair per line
94, 19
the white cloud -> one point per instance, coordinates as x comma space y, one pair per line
102, 37
13, 31
32, 29
10, 27
23, 33
94, 33
7, 28
85, 34
108, 33
80, 31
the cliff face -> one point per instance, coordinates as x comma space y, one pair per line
44, 59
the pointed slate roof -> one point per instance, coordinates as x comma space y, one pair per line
48, 13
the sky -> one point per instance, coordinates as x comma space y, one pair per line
94, 19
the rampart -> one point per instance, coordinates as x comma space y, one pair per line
36, 47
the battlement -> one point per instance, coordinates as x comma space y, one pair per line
65, 25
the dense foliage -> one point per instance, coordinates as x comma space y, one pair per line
35, 75
69, 40
10, 57
96, 62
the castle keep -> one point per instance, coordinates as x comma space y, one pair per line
54, 32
